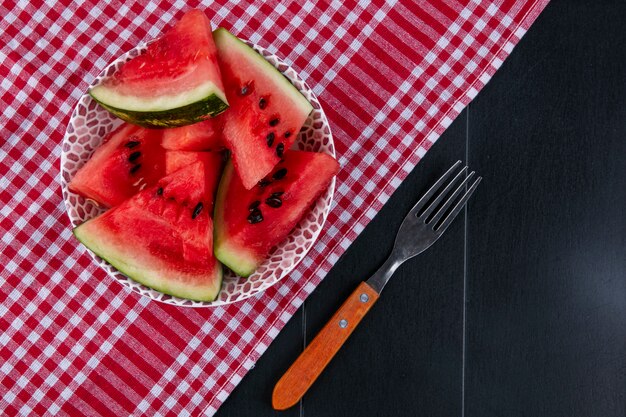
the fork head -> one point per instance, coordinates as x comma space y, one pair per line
427, 220
434, 212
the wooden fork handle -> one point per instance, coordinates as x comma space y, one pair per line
310, 364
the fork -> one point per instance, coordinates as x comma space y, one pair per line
422, 226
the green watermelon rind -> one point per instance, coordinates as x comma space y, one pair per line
205, 293
221, 35
231, 255
192, 113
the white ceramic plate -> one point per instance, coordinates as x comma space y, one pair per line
90, 123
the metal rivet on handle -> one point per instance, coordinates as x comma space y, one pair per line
364, 298
343, 323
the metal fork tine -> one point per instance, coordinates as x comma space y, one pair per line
417, 207
441, 211
416, 234
435, 203
448, 220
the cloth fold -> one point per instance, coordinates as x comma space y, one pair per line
391, 75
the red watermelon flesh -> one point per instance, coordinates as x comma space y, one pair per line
266, 111
249, 223
163, 236
175, 160
202, 136
129, 160
212, 161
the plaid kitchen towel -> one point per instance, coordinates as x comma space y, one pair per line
391, 75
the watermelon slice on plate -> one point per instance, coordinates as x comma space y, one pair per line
249, 223
202, 136
129, 160
175, 82
266, 111
163, 236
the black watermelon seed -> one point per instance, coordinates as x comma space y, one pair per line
160, 191
280, 174
270, 139
197, 210
254, 205
287, 134
245, 90
280, 149
263, 183
255, 217
132, 144
135, 168
133, 156
171, 199
262, 103
274, 202
277, 194
274, 122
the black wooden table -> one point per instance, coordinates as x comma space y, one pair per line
520, 308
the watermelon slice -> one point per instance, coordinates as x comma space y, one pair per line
202, 136
248, 223
176, 81
129, 160
162, 237
266, 110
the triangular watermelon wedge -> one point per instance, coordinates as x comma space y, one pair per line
175, 82
266, 111
163, 236
249, 223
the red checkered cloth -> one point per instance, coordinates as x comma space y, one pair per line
391, 75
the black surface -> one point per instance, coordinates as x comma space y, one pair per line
520, 309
